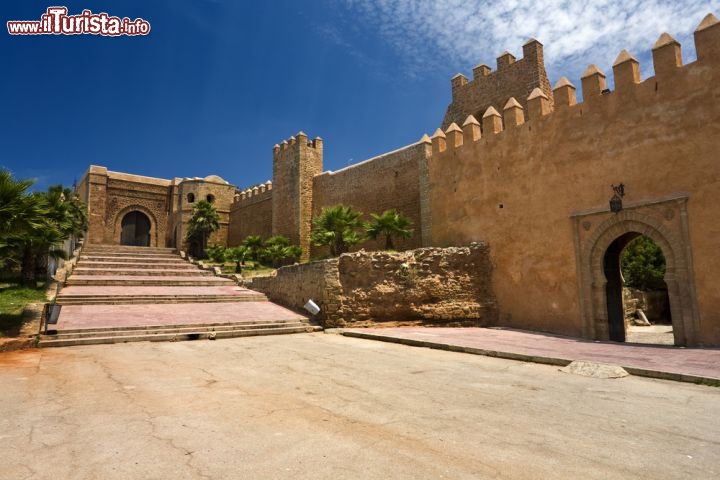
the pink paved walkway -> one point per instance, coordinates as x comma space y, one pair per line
74, 317
152, 278
656, 361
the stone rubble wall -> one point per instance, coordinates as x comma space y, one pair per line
428, 286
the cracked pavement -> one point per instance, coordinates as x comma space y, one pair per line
324, 406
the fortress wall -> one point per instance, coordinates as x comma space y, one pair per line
517, 189
251, 215
373, 186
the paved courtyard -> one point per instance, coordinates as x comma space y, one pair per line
324, 406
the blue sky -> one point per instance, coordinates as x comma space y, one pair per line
217, 82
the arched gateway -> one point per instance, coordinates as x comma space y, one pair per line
135, 229
601, 237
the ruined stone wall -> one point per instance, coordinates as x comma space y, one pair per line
493, 89
427, 286
373, 186
251, 214
538, 191
294, 285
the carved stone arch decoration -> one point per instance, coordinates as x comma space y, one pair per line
663, 221
117, 224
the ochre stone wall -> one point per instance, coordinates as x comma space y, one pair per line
493, 89
250, 215
538, 192
381, 183
427, 286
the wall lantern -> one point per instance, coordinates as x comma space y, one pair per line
616, 200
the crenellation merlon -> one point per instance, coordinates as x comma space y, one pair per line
707, 38
481, 71
471, 130
505, 60
538, 104
439, 141
454, 135
667, 56
593, 83
513, 114
491, 121
626, 72
565, 93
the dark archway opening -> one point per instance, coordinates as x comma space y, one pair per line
135, 230
634, 268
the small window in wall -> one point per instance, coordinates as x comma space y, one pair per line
211, 198
190, 197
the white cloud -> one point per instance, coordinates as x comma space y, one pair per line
575, 33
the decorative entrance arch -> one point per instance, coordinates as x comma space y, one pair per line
135, 229
601, 235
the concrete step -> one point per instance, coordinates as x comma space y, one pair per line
176, 264
125, 330
179, 328
168, 272
126, 248
189, 334
108, 257
146, 280
140, 299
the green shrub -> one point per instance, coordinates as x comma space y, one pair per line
643, 265
216, 253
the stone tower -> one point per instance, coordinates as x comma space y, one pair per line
295, 162
513, 78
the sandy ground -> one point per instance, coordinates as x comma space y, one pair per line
323, 406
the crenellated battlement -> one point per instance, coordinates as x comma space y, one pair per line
629, 87
253, 194
512, 79
294, 144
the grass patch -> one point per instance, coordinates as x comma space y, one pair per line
13, 300
250, 269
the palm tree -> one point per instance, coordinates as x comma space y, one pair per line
337, 227
390, 223
254, 244
14, 205
237, 255
204, 221
31, 225
43, 229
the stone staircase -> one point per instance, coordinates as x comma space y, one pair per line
124, 294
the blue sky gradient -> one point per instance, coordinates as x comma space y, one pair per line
217, 83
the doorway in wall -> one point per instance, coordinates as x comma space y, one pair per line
135, 229
638, 303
